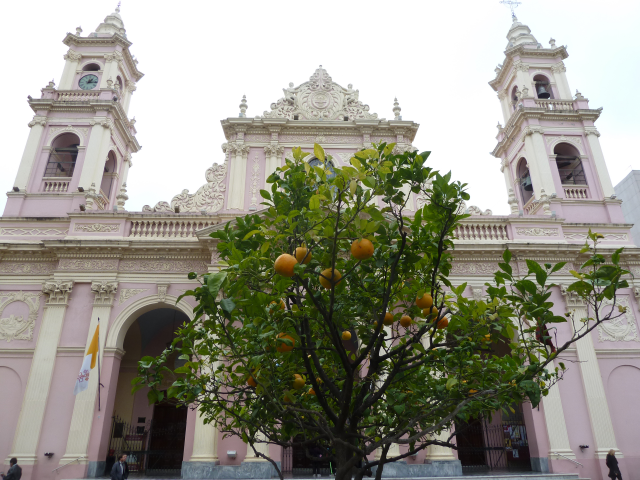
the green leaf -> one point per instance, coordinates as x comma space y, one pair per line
314, 202
389, 148
227, 305
265, 194
506, 255
451, 382
215, 282
250, 234
558, 266
152, 396
615, 257
318, 151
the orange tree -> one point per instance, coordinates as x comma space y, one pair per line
332, 321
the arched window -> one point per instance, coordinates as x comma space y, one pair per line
524, 180
514, 97
91, 67
109, 176
62, 159
543, 87
569, 165
329, 166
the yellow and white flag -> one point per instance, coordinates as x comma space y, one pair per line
82, 382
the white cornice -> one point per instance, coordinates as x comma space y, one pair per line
524, 53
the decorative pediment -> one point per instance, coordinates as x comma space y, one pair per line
320, 99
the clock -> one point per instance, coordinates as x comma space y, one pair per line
88, 82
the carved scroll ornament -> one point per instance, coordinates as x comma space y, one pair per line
209, 197
17, 327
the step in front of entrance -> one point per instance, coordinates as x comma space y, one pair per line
518, 476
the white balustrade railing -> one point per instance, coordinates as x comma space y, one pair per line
55, 185
576, 192
484, 231
168, 227
555, 104
101, 200
77, 96
531, 206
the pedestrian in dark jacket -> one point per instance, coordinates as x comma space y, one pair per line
14, 472
120, 470
612, 463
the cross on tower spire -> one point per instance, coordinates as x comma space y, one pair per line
513, 4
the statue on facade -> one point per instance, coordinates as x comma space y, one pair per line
290, 93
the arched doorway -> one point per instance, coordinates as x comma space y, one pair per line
152, 435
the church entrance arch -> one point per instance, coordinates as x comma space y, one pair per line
153, 436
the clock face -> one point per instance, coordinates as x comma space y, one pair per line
88, 82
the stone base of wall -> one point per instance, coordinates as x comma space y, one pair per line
540, 464
441, 468
209, 470
96, 469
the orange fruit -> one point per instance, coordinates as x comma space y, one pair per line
327, 278
282, 305
442, 324
284, 265
388, 318
283, 347
430, 312
298, 382
346, 335
362, 249
375, 324
252, 382
312, 392
405, 321
287, 399
318, 380
472, 392
425, 301
301, 252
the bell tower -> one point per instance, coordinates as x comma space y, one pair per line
549, 146
79, 149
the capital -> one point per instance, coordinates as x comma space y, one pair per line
521, 67
592, 131
571, 299
73, 56
37, 121
104, 292
531, 129
58, 292
558, 67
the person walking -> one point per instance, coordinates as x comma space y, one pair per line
316, 457
612, 463
14, 472
120, 470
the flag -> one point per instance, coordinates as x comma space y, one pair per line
82, 382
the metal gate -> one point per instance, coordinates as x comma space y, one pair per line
503, 446
296, 463
151, 447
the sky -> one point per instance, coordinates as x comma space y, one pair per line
200, 57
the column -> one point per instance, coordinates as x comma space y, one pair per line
260, 447
598, 160
25, 442
237, 176
70, 68
538, 161
273, 156
99, 130
601, 425
110, 68
205, 441
85, 406
30, 152
556, 425
438, 453
129, 89
505, 103
561, 80
523, 77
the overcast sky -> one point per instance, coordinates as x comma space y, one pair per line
199, 58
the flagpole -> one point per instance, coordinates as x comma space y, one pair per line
99, 365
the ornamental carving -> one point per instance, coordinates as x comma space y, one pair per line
72, 55
253, 137
538, 232
17, 327
400, 149
58, 292
621, 329
473, 211
97, 227
559, 67
127, 293
162, 292
104, 292
94, 264
179, 266
273, 150
473, 268
24, 268
301, 139
255, 177
32, 232
607, 236
55, 130
320, 99
208, 198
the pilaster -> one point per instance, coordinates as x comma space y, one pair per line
30, 152
523, 79
273, 159
538, 161
205, 441
84, 408
438, 453
260, 447
598, 159
601, 425
556, 425
70, 67
559, 72
237, 175
99, 130
36, 394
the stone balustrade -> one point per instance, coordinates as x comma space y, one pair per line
490, 229
169, 227
554, 104
576, 192
77, 95
55, 185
